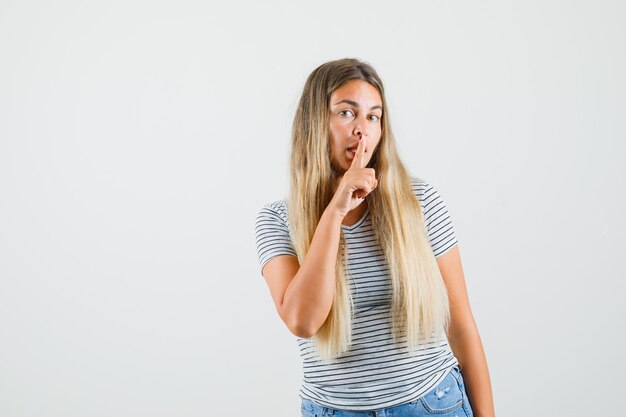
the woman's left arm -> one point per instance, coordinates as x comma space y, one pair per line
464, 338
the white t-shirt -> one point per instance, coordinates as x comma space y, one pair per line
374, 373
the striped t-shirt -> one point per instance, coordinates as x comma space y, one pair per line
374, 373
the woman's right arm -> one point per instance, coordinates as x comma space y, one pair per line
303, 294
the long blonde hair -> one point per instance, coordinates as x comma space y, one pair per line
420, 300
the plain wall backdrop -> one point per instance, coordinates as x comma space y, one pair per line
139, 139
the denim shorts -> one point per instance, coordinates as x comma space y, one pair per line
447, 399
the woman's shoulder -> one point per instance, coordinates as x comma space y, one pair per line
424, 190
419, 186
280, 205
276, 209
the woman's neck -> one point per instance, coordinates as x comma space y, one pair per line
355, 214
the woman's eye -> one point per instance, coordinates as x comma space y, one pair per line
375, 118
346, 113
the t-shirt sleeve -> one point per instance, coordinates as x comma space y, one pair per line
436, 217
272, 233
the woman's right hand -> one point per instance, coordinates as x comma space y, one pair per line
356, 183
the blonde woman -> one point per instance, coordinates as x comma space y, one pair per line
363, 265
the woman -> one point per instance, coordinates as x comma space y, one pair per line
363, 265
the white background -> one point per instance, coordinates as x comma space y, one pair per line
138, 140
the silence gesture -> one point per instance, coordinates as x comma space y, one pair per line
356, 183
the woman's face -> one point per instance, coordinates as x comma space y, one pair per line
355, 110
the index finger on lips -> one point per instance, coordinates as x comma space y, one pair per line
356, 160
360, 151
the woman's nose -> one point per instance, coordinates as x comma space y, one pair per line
360, 128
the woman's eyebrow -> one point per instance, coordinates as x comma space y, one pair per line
355, 104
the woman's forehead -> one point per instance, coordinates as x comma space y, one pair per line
355, 92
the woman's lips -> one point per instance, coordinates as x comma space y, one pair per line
351, 152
